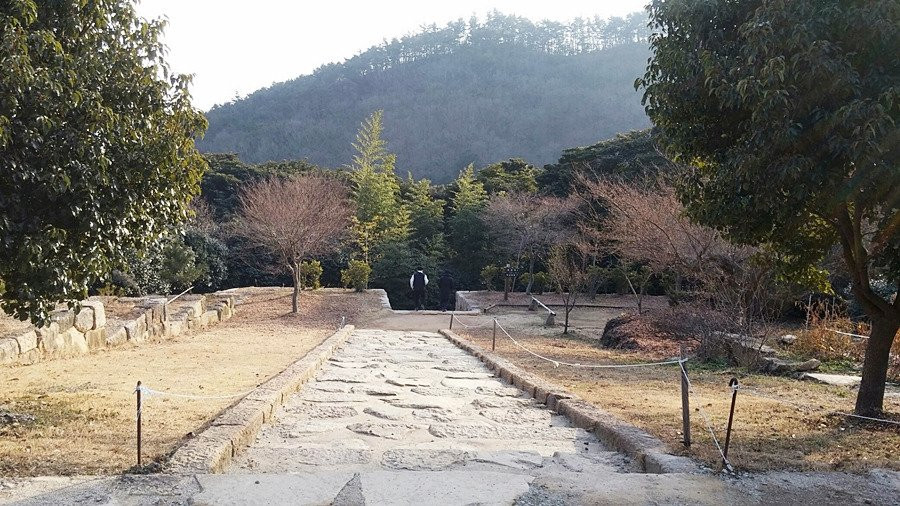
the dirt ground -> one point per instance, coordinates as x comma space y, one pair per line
85, 406
780, 423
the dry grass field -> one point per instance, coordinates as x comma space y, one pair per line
791, 428
85, 406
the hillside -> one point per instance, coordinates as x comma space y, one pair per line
469, 92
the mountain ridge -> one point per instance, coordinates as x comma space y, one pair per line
507, 88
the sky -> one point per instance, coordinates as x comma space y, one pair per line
234, 47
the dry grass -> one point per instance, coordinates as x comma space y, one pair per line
768, 434
821, 341
85, 406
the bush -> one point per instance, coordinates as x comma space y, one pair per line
310, 274
489, 276
356, 275
211, 257
120, 284
821, 342
542, 282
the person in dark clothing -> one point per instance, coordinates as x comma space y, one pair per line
418, 281
445, 284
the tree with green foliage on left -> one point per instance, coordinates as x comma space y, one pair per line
97, 153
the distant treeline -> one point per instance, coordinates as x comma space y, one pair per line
470, 92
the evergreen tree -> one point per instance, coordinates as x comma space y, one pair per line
380, 217
468, 238
426, 214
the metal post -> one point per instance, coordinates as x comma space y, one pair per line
451, 321
685, 402
138, 391
733, 383
494, 342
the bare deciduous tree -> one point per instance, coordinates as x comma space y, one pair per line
526, 224
568, 266
295, 219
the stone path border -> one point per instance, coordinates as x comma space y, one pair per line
648, 451
234, 429
386, 304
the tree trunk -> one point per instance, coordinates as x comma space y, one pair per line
296, 275
530, 275
870, 399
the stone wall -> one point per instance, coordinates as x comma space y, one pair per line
152, 318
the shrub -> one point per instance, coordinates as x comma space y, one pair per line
211, 258
310, 274
821, 342
542, 282
489, 275
356, 275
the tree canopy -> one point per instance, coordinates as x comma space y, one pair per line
788, 111
97, 149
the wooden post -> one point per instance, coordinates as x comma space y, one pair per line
451, 321
494, 342
138, 391
685, 402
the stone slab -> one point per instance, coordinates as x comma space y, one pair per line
840, 380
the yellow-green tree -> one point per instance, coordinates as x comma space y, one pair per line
380, 217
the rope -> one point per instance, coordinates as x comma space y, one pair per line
149, 391
809, 410
458, 319
882, 420
557, 363
847, 334
706, 419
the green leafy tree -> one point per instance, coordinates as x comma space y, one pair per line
380, 217
426, 214
789, 111
96, 146
468, 235
513, 175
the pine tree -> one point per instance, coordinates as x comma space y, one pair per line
426, 214
467, 232
380, 217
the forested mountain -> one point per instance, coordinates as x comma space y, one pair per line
470, 92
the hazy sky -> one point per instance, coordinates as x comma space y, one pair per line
234, 47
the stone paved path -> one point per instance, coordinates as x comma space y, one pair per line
412, 401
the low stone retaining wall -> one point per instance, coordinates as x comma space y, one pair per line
464, 303
70, 333
649, 452
213, 449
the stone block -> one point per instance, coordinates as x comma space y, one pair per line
75, 342
84, 319
65, 318
96, 338
26, 340
137, 329
49, 337
116, 335
174, 327
9, 350
99, 313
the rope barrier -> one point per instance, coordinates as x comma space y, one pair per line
847, 333
557, 363
149, 391
810, 410
458, 319
706, 420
